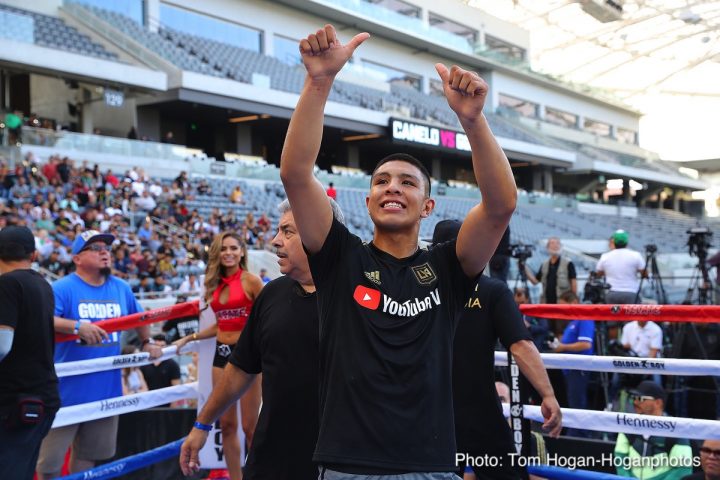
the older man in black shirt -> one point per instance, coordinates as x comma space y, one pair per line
281, 341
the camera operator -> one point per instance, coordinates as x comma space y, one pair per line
557, 274
620, 267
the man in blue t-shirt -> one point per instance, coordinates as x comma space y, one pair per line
577, 339
81, 299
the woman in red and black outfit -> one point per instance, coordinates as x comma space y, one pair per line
230, 291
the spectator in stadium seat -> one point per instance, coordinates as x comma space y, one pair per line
709, 461
621, 267
331, 192
169, 137
236, 196
133, 380
264, 223
666, 458
161, 374
145, 201
490, 315
230, 291
27, 371
557, 274
413, 431
82, 298
191, 284
281, 342
161, 286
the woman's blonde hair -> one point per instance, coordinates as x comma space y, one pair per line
215, 270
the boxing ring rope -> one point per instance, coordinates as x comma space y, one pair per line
585, 419
129, 464
620, 422
634, 365
626, 313
81, 367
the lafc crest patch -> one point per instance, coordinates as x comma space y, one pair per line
424, 273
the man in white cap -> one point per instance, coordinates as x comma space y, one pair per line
82, 298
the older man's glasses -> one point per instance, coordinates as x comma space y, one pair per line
709, 451
642, 398
97, 247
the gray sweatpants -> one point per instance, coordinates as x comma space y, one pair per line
326, 474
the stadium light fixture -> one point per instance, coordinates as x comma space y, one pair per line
355, 138
248, 118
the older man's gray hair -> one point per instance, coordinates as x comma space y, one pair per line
337, 211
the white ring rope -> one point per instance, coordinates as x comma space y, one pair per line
82, 367
128, 403
598, 421
662, 366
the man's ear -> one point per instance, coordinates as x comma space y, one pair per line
428, 207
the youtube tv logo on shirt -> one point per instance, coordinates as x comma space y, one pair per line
367, 297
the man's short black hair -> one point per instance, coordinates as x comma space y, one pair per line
14, 254
404, 157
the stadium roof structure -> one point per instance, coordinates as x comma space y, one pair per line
641, 51
627, 46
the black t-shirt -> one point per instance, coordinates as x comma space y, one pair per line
386, 332
491, 313
28, 305
177, 329
162, 375
550, 283
281, 341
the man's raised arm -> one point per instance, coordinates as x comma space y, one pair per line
486, 222
323, 56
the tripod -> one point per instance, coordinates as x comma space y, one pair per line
521, 279
654, 278
700, 281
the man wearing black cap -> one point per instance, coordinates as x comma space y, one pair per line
86, 296
650, 457
491, 313
28, 384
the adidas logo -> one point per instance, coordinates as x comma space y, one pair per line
373, 277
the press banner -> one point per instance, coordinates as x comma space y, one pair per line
118, 405
657, 426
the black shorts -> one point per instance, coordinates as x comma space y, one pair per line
222, 354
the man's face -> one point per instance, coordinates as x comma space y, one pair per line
553, 246
646, 405
292, 259
94, 257
710, 458
397, 198
520, 297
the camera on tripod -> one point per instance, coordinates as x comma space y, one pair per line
651, 248
521, 251
595, 287
699, 241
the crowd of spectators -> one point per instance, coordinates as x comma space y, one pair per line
60, 198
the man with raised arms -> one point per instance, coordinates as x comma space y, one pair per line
387, 309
